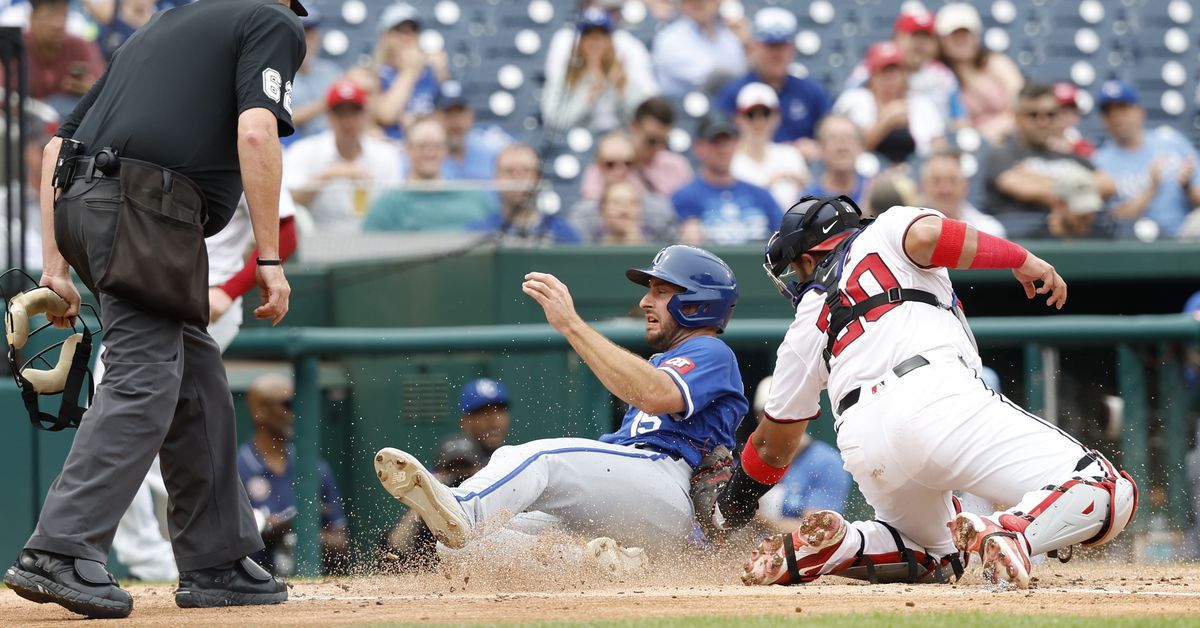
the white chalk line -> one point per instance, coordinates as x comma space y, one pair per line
731, 592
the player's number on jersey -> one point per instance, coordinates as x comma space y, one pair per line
870, 265
644, 423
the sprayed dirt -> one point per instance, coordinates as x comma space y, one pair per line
543, 587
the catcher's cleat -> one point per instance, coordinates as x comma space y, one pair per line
798, 557
408, 481
1005, 559
613, 558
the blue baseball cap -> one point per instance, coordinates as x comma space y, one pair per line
774, 25
1117, 91
1192, 307
450, 94
482, 392
594, 17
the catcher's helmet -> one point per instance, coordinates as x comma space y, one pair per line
815, 223
707, 281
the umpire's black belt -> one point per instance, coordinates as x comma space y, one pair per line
901, 369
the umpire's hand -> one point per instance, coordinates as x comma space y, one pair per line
62, 285
275, 292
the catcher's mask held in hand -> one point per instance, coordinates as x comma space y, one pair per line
66, 376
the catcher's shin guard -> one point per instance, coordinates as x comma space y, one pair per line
817, 546
1091, 508
906, 564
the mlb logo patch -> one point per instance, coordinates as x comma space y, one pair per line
877, 387
681, 365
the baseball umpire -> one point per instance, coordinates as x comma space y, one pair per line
878, 325
153, 160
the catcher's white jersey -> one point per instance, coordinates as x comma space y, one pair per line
227, 250
870, 346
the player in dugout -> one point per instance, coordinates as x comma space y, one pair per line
631, 486
879, 325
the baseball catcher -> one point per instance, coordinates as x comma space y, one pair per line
878, 324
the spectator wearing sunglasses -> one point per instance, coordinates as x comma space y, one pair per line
717, 208
778, 167
656, 169
1035, 191
266, 465
615, 161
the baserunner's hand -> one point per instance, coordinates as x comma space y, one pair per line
1035, 269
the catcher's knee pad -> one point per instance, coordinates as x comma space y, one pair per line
907, 564
1091, 508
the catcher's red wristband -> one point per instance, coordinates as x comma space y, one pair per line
758, 470
950, 245
994, 252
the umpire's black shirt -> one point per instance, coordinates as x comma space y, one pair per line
173, 93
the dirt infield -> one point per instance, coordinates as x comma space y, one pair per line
495, 592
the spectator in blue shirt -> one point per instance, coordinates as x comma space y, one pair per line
471, 150
408, 76
1156, 172
841, 143
802, 101
816, 479
698, 51
266, 467
518, 219
715, 207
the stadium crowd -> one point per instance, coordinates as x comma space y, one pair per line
392, 144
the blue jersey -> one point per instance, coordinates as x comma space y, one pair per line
706, 372
737, 214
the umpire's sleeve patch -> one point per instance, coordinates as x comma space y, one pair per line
680, 365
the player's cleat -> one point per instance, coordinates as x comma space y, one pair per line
78, 585
408, 481
798, 557
613, 558
1002, 551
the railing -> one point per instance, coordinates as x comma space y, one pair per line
305, 347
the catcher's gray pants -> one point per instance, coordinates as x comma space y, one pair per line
165, 392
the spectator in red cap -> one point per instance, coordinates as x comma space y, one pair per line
337, 173
894, 120
989, 81
1067, 137
915, 36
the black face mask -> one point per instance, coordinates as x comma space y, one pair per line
68, 377
897, 146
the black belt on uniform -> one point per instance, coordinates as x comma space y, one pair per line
901, 369
674, 455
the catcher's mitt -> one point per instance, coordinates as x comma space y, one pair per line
708, 481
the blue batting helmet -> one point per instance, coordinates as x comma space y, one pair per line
707, 281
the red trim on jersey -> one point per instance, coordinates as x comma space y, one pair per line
785, 421
758, 470
244, 280
949, 246
996, 252
905, 237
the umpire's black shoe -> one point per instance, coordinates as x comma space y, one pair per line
78, 585
240, 583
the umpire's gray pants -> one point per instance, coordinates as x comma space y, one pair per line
165, 392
